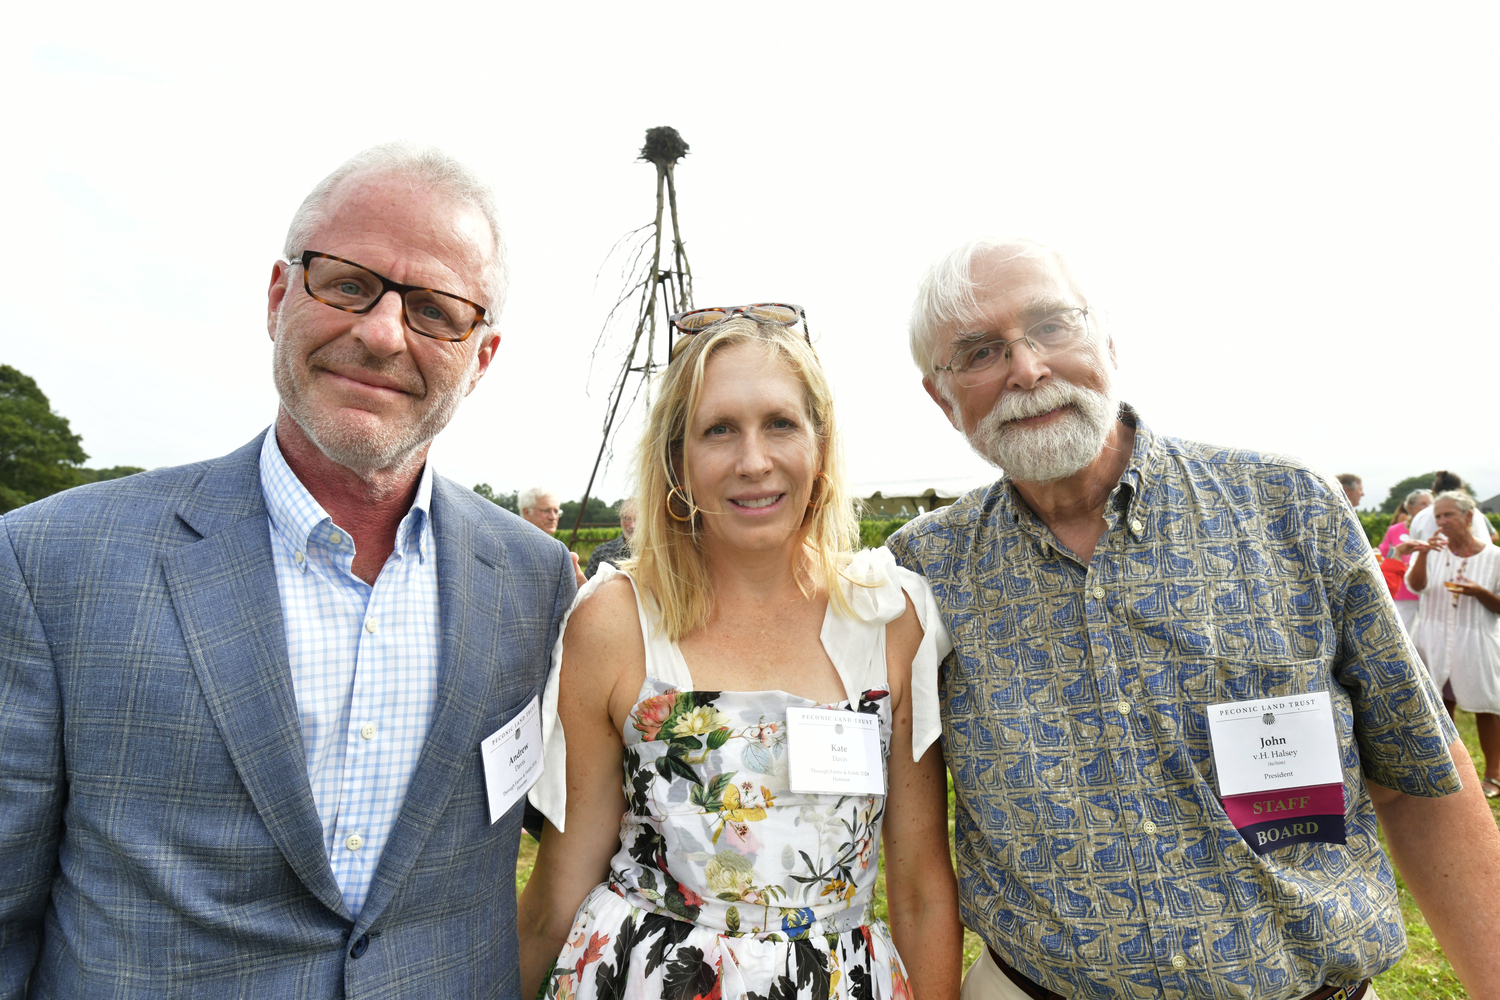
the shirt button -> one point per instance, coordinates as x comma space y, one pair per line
1179, 963
355, 842
1148, 827
1137, 527
371, 625
367, 731
974, 836
335, 538
1098, 593
299, 557
1124, 707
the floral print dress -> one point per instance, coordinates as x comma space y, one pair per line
727, 884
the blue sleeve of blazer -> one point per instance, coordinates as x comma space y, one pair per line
31, 781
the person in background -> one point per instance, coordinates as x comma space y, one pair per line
616, 550
1354, 488
1458, 631
1396, 556
539, 507
1102, 594
1424, 525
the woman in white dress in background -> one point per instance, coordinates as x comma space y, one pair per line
704, 874
1458, 623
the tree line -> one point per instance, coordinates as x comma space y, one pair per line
39, 453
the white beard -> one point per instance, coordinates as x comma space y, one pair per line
1055, 450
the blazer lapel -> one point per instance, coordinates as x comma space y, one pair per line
224, 590
470, 565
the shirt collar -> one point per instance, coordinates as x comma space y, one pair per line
295, 515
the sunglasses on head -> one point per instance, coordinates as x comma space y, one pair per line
697, 320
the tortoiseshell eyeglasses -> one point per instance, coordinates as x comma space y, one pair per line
697, 320
355, 288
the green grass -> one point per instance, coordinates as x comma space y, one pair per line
1422, 974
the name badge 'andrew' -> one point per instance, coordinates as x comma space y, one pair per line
512, 758
834, 753
1280, 776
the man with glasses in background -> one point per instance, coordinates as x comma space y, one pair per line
1180, 696
242, 747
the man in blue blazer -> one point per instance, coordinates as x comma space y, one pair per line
242, 701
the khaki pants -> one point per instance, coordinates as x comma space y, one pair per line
985, 981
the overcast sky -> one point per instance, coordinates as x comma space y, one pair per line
1287, 212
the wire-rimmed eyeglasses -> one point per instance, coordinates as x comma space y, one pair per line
355, 288
988, 359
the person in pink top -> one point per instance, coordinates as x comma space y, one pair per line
1397, 545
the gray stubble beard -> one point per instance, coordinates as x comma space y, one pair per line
360, 452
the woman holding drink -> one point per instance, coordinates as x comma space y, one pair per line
1458, 624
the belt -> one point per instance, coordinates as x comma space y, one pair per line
1036, 992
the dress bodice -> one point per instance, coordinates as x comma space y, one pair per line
713, 833
727, 883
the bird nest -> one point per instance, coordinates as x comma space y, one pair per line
664, 146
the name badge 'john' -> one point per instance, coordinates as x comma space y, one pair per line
1280, 776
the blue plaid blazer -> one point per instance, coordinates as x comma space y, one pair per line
158, 836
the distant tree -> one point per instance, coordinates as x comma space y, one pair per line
39, 453
1399, 491
506, 500
101, 475
599, 512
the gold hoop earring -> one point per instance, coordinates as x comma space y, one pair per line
692, 508
812, 504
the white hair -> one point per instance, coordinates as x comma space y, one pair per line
946, 295
1459, 499
426, 164
529, 496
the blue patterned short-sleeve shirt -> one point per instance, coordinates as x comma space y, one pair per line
1094, 854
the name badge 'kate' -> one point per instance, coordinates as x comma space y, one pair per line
834, 753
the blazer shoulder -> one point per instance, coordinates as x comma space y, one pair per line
119, 509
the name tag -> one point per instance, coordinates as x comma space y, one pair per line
1278, 763
834, 753
512, 758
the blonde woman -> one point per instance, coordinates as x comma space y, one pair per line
1458, 628
712, 674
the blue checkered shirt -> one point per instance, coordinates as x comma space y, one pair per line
364, 664
1094, 855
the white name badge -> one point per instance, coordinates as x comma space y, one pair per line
512, 758
834, 753
1272, 743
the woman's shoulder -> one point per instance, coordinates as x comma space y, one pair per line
605, 610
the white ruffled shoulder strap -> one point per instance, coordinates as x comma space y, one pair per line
877, 589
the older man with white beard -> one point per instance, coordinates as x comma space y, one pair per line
1179, 697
